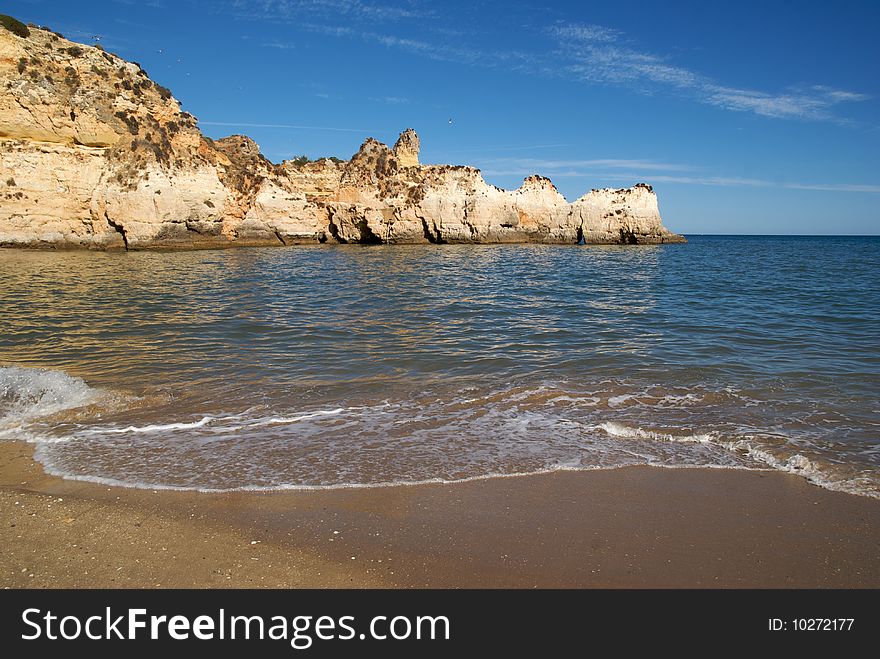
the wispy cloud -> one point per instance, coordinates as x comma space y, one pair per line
588, 33
279, 45
290, 10
443, 51
651, 171
734, 181
330, 30
496, 149
816, 104
242, 124
598, 54
834, 187
715, 181
390, 100
590, 53
594, 53
528, 164
155, 4
447, 52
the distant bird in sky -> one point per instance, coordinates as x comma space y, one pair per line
96, 37
450, 122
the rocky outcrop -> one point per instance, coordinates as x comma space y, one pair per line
93, 154
406, 149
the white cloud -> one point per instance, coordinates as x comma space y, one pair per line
390, 100
735, 181
520, 147
290, 10
834, 187
650, 171
581, 51
597, 54
722, 181
817, 104
526, 164
242, 124
587, 33
443, 52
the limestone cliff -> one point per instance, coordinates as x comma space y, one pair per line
93, 154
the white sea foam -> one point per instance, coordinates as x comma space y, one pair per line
27, 394
160, 427
493, 435
286, 487
680, 399
281, 420
219, 422
796, 464
802, 466
616, 429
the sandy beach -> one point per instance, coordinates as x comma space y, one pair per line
630, 527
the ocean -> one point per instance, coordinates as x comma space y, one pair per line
355, 366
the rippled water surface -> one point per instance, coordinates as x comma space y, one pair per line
350, 365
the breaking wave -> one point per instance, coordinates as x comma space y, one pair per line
468, 434
776, 459
28, 394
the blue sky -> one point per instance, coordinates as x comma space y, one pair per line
751, 117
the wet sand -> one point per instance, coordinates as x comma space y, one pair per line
631, 527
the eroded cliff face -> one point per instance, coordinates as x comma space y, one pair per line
93, 154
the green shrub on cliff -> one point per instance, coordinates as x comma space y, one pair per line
164, 92
299, 161
14, 26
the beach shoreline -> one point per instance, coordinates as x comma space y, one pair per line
630, 527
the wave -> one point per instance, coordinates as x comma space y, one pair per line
218, 421
802, 466
27, 394
796, 463
280, 420
486, 435
297, 487
761, 458
616, 429
161, 427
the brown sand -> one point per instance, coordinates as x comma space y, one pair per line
633, 527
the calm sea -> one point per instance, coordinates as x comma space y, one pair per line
357, 366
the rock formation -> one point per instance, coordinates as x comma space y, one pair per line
406, 149
93, 154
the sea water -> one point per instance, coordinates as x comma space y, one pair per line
347, 366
